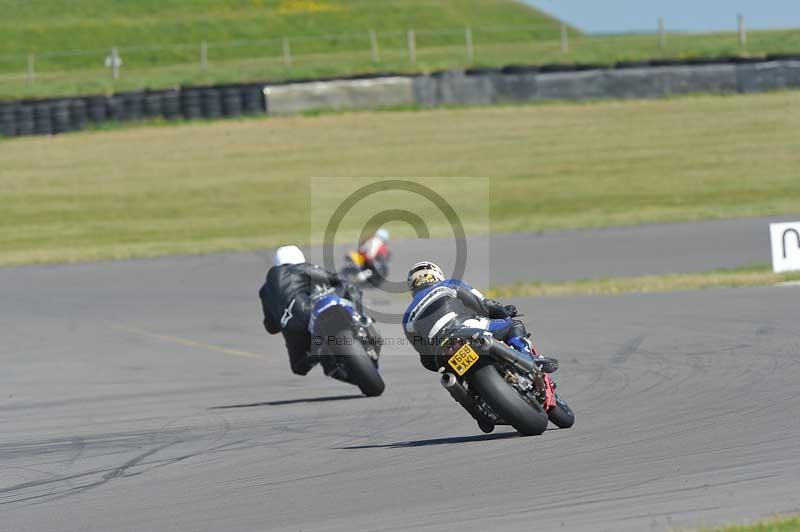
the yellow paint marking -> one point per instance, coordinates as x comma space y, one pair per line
190, 343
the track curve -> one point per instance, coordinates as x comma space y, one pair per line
156, 402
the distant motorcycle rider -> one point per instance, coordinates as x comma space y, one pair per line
441, 305
286, 302
371, 260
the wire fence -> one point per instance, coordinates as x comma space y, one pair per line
137, 66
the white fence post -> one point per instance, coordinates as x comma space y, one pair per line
470, 49
662, 36
412, 47
287, 53
373, 44
742, 31
564, 39
204, 55
31, 69
115, 61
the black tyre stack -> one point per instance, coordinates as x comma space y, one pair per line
52, 116
154, 104
171, 104
116, 108
42, 119
24, 119
97, 109
191, 103
134, 105
78, 113
232, 101
8, 120
212, 103
60, 116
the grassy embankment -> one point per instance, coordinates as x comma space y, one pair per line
160, 42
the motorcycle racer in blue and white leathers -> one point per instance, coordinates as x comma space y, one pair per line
441, 305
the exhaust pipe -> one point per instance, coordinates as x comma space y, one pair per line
462, 397
459, 393
512, 356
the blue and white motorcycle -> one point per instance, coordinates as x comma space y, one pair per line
346, 342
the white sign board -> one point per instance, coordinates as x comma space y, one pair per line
785, 246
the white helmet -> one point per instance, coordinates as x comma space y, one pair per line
289, 255
383, 234
424, 273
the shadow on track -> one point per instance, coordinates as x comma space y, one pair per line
437, 441
292, 401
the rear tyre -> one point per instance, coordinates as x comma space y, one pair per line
528, 418
561, 415
361, 370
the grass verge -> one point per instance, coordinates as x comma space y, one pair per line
244, 184
726, 278
778, 524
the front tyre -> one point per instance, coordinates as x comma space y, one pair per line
361, 370
528, 418
561, 415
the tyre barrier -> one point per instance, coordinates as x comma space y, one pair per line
24, 120
60, 116
133, 103
191, 103
232, 102
171, 104
212, 103
116, 108
783, 57
78, 113
8, 121
97, 108
625, 79
42, 120
153, 104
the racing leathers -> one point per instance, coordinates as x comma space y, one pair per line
285, 300
452, 304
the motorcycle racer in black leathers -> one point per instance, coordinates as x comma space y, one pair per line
285, 301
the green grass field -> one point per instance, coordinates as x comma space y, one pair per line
160, 42
779, 524
237, 185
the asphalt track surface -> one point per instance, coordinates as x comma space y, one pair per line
144, 395
594, 253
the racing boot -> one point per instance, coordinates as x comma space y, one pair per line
546, 364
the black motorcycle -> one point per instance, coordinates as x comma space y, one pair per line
346, 342
499, 385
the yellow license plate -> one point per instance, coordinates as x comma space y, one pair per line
463, 359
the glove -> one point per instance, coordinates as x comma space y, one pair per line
334, 279
511, 310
